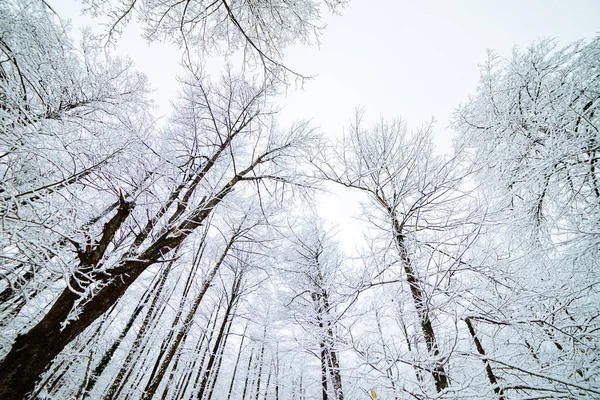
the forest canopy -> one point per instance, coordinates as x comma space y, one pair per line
191, 259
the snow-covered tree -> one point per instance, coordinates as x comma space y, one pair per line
313, 268
532, 131
224, 135
413, 201
261, 29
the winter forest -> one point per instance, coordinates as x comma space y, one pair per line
189, 258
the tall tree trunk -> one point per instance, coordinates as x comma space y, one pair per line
237, 361
334, 370
188, 376
323, 370
220, 336
277, 374
260, 362
139, 341
173, 372
206, 352
165, 346
247, 380
438, 372
105, 360
171, 348
486, 363
215, 375
266, 396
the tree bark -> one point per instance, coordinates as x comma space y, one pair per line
220, 336
486, 363
138, 342
188, 376
439, 374
237, 361
215, 375
246, 381
30, 356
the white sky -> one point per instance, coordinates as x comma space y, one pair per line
415, 59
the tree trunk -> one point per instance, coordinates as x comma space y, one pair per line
439, 374
171, 348
206, 351
266, 396
334, 370
246, 381
139, 340
486, 363
97, 372
260, 361
237, 361
323, 370
220, 336
188, 377
215, 375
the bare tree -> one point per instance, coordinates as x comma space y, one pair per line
532, 131
413, 199
261, 30
314, 268
219, 140
64, 115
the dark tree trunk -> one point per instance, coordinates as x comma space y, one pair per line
29, 357
139, 340
247, 380
215, 375
439, 374
113, 348
323, 371
266, 396
486, 363
237, 361
334, 370
188, 376
260, 361
169, 349
206, 350
220, 337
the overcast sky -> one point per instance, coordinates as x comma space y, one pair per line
415, 59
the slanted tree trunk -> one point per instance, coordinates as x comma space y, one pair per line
268, 384
152, 313
438, 372
105, 360
235, 292
215, 375
237, 361
188, 376
169, 349
486, 363
205, 354
158, 371
247, 380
